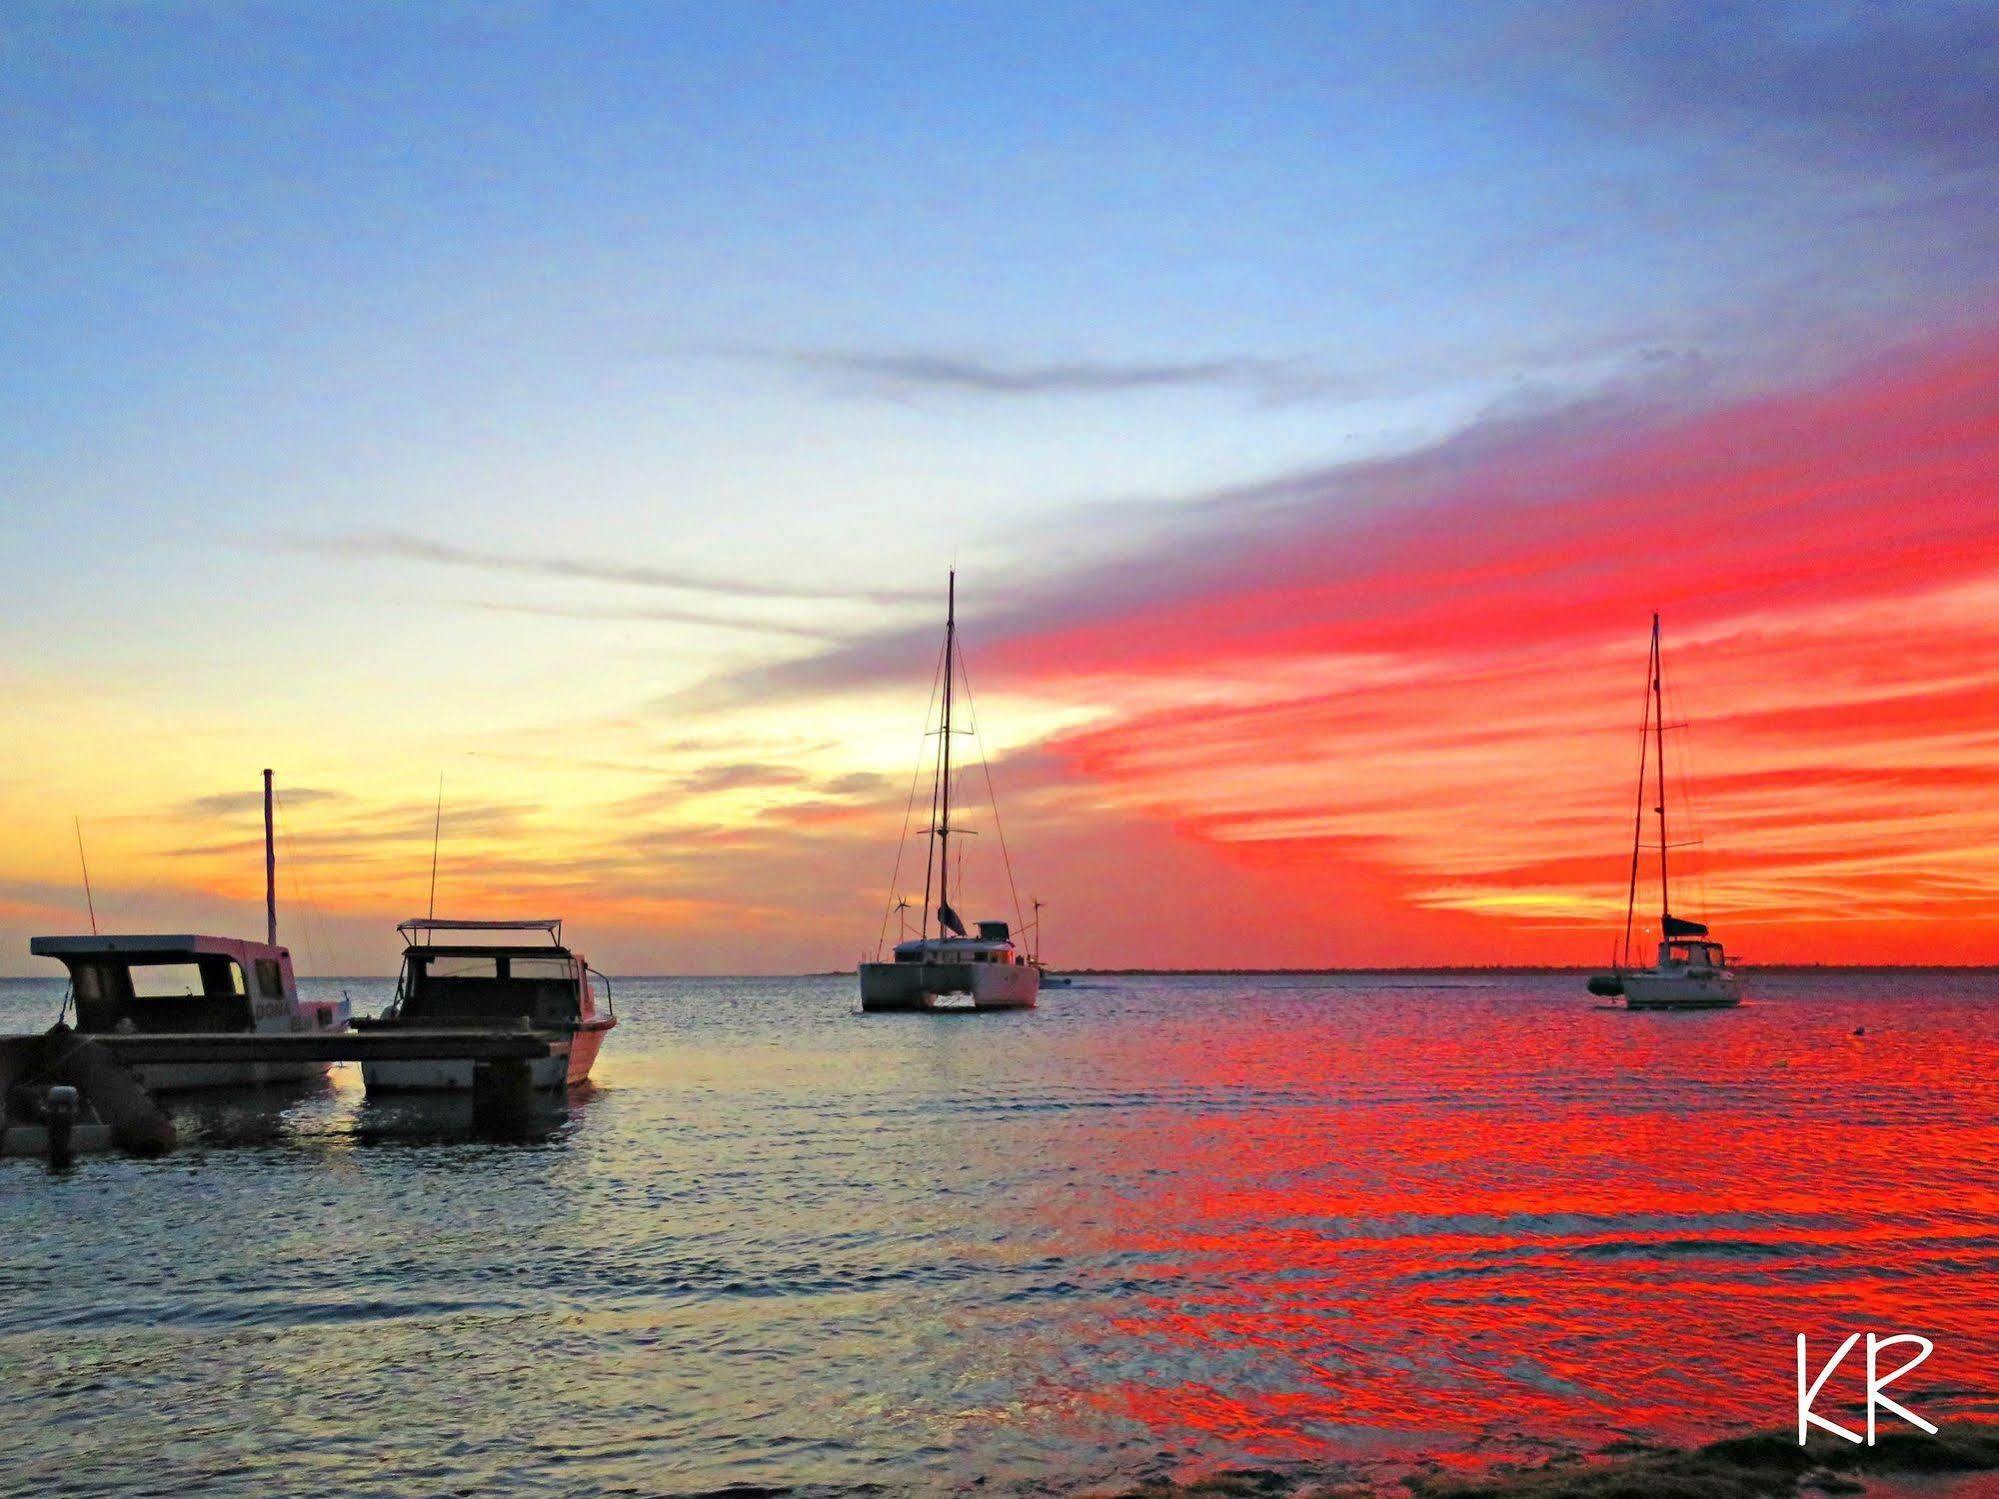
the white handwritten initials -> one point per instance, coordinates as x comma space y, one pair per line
1876, 1383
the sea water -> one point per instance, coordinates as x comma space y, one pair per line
1158, 1226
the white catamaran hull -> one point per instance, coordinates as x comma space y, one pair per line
946, 986
1680, 991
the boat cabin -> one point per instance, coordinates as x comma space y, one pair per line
994, 944
175, 983
1692, 954
495, 982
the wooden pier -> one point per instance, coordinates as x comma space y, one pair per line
91, 1076
390, 1045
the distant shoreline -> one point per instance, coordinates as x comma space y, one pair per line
1492, 970
1553, 970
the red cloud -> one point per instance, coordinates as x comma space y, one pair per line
1425, 679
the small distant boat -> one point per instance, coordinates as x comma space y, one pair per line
472, 985
1691, 971
1049, 978
952, 969
148, 984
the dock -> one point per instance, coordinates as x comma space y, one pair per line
395, 1045
62, 1090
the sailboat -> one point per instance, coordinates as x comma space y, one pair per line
1691, 969
952, 969
1049, 980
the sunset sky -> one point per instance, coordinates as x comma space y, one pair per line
585, 403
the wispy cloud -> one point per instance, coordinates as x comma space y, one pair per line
904, 373
1311, 525
404, 546
736, 777
644, 615
237, 803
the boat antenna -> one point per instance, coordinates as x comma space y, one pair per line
89, 900
270, 869
1037, 932
436, 834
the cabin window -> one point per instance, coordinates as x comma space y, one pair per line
170, 980
270, 979
462, 968
541, 968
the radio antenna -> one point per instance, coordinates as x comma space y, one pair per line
436, 832
89, 900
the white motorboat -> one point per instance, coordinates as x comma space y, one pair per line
488, 984
1691, 970
950, 969
140, 985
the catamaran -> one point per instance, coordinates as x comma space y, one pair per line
172, 984
952, 969
1691, 969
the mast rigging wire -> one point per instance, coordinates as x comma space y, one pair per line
992, 797
908, 812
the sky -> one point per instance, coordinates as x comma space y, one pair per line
581, 406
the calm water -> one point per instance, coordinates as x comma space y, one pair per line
1158, 1226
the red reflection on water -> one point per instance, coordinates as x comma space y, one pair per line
1494, 1224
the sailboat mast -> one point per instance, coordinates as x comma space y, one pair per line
944, 784
1659, 741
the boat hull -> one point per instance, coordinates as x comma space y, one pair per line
949, 986
1679, 991
189, 1077
568, 1063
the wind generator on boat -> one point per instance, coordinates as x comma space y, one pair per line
953, 969
1691, 970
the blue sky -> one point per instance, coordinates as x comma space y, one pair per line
321, 266
818, 297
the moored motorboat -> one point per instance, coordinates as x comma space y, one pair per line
148, 984
950, 969
492, 984
1690, 970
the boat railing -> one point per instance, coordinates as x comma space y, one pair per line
609, 1008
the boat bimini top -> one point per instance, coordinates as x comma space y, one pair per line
409, 930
